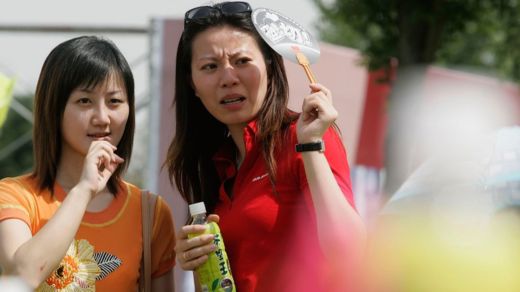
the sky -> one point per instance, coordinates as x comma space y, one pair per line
22, 54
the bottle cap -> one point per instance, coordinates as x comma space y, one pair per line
197, 208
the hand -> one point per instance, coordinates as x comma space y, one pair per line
317, 115
100, 163
193, 252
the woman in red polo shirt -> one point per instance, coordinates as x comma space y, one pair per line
286, 213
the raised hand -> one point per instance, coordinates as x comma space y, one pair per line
318, 114
100, 163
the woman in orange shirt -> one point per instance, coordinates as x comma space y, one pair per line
73, 223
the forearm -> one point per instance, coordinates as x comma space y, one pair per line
196, 282
35, 259
340, 228
164, 283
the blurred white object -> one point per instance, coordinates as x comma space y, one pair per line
503, 176
464, 188
13, 284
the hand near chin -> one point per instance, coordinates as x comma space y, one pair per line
317, 115
100, 163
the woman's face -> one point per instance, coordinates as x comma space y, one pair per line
229, 74
98, 113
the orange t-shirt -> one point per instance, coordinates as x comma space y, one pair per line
107, 248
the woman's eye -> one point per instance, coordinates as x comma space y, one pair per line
243, 60
116, 100
83, 100
208, 67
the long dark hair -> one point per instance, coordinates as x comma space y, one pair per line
83, 61
199, 135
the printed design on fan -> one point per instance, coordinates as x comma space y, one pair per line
77, 270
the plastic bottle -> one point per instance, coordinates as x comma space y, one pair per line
215, 273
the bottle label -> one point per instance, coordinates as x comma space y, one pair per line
215, 273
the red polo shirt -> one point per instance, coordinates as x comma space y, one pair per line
271, 239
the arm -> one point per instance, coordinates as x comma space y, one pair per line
162, 254
196, 283
33, 258
340, 229
164, 283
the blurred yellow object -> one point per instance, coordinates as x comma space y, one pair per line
413, 257
6, 95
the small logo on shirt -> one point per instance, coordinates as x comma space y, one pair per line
257, 178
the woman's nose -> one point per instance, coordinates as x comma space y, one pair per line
101, 115
229, 77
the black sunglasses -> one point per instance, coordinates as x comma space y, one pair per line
224, 8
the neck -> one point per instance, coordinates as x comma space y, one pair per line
69, 170
237, 134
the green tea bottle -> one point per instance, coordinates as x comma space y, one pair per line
215, 273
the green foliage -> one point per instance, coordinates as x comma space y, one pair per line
359, 24
16, 158
489, 43
478, 33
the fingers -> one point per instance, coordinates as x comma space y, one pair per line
317, 115
192, 252
104, 152
319, 104
190, 229
213, 218
317, 87
100, 163
191, 259
320, 93
112, 165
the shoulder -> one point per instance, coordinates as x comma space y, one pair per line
129, 187
19, 198
333, 139
162, 219
161, 206
134, 193
25, 179
22, 185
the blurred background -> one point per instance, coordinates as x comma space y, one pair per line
427, 93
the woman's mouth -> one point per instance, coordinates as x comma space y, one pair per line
232, 100
99, 135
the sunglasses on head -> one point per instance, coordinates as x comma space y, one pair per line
224, 8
